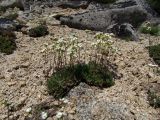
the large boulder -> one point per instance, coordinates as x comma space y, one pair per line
101, 20
12, 3
112, 17
123, 4
89, 106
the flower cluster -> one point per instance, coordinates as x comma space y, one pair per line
65, 50
103, 46
147, 25
69, 51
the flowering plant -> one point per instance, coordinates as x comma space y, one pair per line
69, 51
102, 46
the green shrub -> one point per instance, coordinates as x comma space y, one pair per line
150, 29
154, 52
98, 75
38, 31
7, 44
66, 78
62, 81
154, 100
155, 4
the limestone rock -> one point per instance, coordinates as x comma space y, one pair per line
134, 15
12, 3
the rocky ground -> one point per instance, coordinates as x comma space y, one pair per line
23, 81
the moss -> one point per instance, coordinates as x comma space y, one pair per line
7, 41
155, 30
38, 31
154, 100
66, 78
154, 52
7, 44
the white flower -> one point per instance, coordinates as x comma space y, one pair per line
28, 110
73, 39
98, 41
111, 41
64, 100
69, 50
94, 44
44, 115
149, 28
61, 40
80, 45
59, 115
147, 23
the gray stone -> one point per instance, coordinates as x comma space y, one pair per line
123, 4
88, 107
7, 24
12, 3
122, 17
101, 20
125, 30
